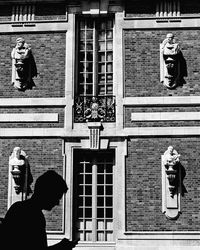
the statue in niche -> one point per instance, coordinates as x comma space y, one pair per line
172, 63
173, 168
23, 66
20, 170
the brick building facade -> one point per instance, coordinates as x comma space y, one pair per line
100, 116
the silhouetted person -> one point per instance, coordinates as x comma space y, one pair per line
24, 225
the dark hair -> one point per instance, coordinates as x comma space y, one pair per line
50, 183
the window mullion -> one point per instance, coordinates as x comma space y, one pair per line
95, 56
85, 60
94, 202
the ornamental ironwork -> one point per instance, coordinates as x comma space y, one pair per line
92, 109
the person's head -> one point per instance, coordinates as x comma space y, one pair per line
170, 37
20, 42
49, 189
170, 149
16, 152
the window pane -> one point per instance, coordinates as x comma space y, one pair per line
88, 190
88, 236
100, 179
109, 34
88, 224
88, 201
88, 168
109, 212
109, 224
109, 56
89, 46
100, 224
108, 190
100, 213
109, 45
102, 46
89, 89
82, 56
109, 67
102, 78
109, 89
89, 56
100, 236
100, 168
101, 68
82, 45
89, 78
100, 201
88, 212
100, 190
89, 34
102, 35
102, 57
82, 35
109, 179
109, 236
88, 179
109, 201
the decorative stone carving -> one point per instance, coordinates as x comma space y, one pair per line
173, 174
94, 136
23, 66
172, 63
170, 161
20, 171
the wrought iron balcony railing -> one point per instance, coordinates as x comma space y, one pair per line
94, 108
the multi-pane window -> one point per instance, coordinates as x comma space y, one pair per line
95, 56
94, 196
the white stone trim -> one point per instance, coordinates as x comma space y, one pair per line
167, 235
151, 22
164, 100
120, 147
118, 69
29, 117
32, 132
18, 102
36, 26
162, 131
165, 116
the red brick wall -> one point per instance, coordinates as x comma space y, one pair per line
43, 154
142, 62
144, 188
49, 53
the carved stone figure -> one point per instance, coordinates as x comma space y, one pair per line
170, 161
23, 66
20, 171
172, 63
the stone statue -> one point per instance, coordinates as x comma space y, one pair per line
171, 163
20, 171
23, 66
172, 63
170, 157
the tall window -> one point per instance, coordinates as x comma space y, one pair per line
95, 57
93, 196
